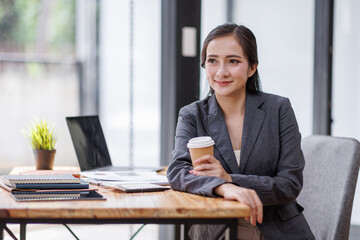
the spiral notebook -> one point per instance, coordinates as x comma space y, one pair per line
56, 178
24, 196
59, 181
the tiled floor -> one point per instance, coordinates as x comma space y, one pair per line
88, 232
108, 232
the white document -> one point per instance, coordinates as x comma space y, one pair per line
126, 176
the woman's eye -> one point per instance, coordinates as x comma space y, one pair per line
234, 61
210, 60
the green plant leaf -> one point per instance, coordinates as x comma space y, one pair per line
41, 135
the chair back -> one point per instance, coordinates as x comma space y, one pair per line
330, 177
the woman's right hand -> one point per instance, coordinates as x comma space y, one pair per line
244, 195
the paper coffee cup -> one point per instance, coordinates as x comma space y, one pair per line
200, 146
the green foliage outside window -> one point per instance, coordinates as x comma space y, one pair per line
36, 26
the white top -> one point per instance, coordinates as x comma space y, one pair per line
200, 142
245, 229
237, 155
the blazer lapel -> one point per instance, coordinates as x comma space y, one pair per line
215, 126
253, 121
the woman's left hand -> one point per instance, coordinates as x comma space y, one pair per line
208, 165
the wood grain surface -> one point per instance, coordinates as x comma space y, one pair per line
162, 205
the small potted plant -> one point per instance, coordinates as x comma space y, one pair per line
41, 136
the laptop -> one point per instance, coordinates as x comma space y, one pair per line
90, 145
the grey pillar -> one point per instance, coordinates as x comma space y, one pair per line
180, 74
324, 18
180, 65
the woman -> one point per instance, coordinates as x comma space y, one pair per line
257, 154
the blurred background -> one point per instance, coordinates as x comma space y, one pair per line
63, 58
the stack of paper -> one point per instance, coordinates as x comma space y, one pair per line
126, 176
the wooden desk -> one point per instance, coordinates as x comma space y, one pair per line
168, 207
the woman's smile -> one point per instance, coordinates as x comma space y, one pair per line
222, 83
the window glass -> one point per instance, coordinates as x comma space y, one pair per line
38, 27
346, 75
38, 76
213, 13
142, 19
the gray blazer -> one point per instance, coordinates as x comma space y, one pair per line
271, 161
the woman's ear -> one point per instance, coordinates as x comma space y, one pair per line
252, 70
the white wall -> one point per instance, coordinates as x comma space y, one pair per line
284, 31
346, 79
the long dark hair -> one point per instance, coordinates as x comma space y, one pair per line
247, 41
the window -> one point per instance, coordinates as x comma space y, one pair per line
130, 54
346, 74
38, 75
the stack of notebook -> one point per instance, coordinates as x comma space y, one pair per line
47, 187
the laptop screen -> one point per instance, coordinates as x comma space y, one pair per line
89, 142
